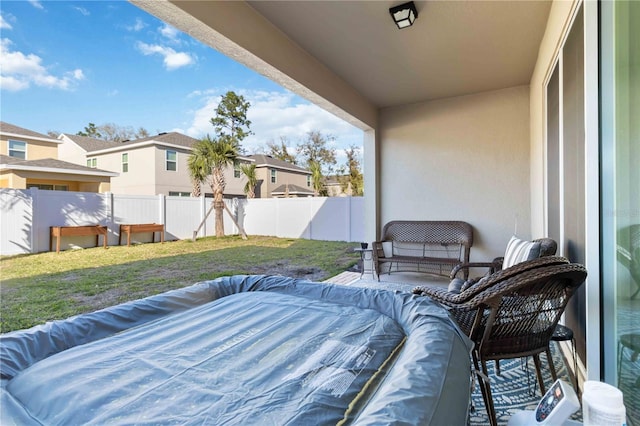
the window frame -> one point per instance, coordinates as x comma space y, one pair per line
10, 149
125, 162
167, 160
274, 175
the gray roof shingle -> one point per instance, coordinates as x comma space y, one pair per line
267, 160
293, 189
173, 138
48, 163
91, 144
12, 128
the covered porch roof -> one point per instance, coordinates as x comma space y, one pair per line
349, 57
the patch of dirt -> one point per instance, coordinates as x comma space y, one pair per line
308, 273
98, 301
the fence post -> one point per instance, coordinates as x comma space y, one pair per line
349, 224
203, 215
33, 238
108, 213
310, 217
162, 204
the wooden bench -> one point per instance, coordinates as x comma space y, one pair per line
434, 247
141, 227
74, 231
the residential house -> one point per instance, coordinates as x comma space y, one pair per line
146, 166
334, 186
517, 117
29, 159
280, 179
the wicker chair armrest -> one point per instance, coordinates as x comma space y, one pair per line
466, 266
440, 295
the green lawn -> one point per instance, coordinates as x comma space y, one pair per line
46, 286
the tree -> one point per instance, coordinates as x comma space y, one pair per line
317, 179
113, 132
230, 122
211, 157
319, 158
315, 149
199, 168
281, 151
351, 175
249, 170
90, 131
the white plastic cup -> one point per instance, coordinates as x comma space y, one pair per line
602, 405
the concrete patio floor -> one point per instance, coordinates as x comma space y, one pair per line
402, 281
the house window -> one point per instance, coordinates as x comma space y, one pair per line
92, 162
47, 187
18, 149
308, 181
172, 164
179, 194
125, 162
236, 170
273, 175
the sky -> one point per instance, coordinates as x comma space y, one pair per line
65, 64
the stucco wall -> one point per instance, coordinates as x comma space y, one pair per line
71, 152
36, 150
170, 180
463, 158
140, 177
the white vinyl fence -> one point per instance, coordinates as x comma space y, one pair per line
26, 215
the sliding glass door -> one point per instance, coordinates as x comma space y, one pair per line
620, 189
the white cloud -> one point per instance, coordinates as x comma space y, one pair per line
18, 71
169, 32
172, 59
36, 4
12, 84
275, 114
82, 10
138, 26
4, 24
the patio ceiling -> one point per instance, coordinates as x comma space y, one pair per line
454, 48
349, 57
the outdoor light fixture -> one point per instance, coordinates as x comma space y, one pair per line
404, 15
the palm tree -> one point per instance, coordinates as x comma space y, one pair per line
249, 170
215, 155
198, 168
316, 177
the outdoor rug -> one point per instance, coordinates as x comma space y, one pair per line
516, 388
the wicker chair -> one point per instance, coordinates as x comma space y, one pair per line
548, 247
514, 314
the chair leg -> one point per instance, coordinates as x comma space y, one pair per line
552, 367
485, 388
497, 362
493, 421
536, 361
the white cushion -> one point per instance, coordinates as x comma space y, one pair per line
387, 247
520, 250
